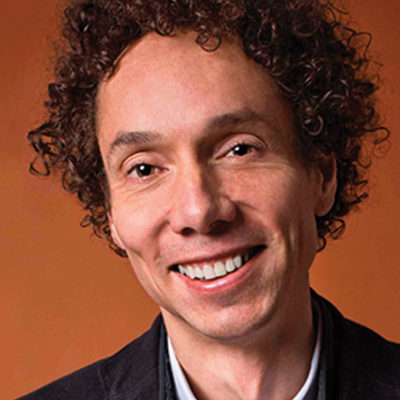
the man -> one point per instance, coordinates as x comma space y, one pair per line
217, 144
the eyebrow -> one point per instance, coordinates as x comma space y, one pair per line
129, 138
234, 118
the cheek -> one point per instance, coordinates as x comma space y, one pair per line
296, 215
282, 198
275, 190
136, 220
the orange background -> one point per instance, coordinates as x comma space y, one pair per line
67, 300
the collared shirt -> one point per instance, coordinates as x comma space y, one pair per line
307, 391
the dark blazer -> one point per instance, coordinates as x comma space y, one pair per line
356, 364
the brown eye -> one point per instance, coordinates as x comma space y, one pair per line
145, 169
142, 170
241, 149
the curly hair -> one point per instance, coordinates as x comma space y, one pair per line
319, 63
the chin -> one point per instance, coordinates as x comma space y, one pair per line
234, 322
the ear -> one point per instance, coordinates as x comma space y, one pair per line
326, 164
114, 233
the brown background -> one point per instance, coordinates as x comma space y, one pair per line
66, 300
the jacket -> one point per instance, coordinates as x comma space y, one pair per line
355, 364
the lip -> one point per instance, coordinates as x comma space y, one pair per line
224, 283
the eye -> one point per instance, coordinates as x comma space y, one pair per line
240, 149
142, 170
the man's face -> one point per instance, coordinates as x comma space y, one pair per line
203, 178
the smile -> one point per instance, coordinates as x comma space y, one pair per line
214, 270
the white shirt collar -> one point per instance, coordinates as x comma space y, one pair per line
182, 387
184, 392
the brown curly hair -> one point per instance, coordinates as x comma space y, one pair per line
320, 65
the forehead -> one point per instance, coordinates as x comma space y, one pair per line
171, 84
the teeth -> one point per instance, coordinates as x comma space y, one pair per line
183, 270
212, 271
209, 272
219, 269
237, 261
191, 272
229, 266
199, 273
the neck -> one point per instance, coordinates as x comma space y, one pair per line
272, 362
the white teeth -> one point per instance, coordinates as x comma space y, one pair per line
219, 269
237, 261
229, 266
199, 273
208, 272
191, 272
183, 270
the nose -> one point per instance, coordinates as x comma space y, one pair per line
199, 204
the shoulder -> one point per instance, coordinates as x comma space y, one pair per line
128, 370
371, 360
85, 383
362, 341
370, 345
363, 362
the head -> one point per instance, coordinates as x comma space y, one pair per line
316, 62
173, 71
203, 170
